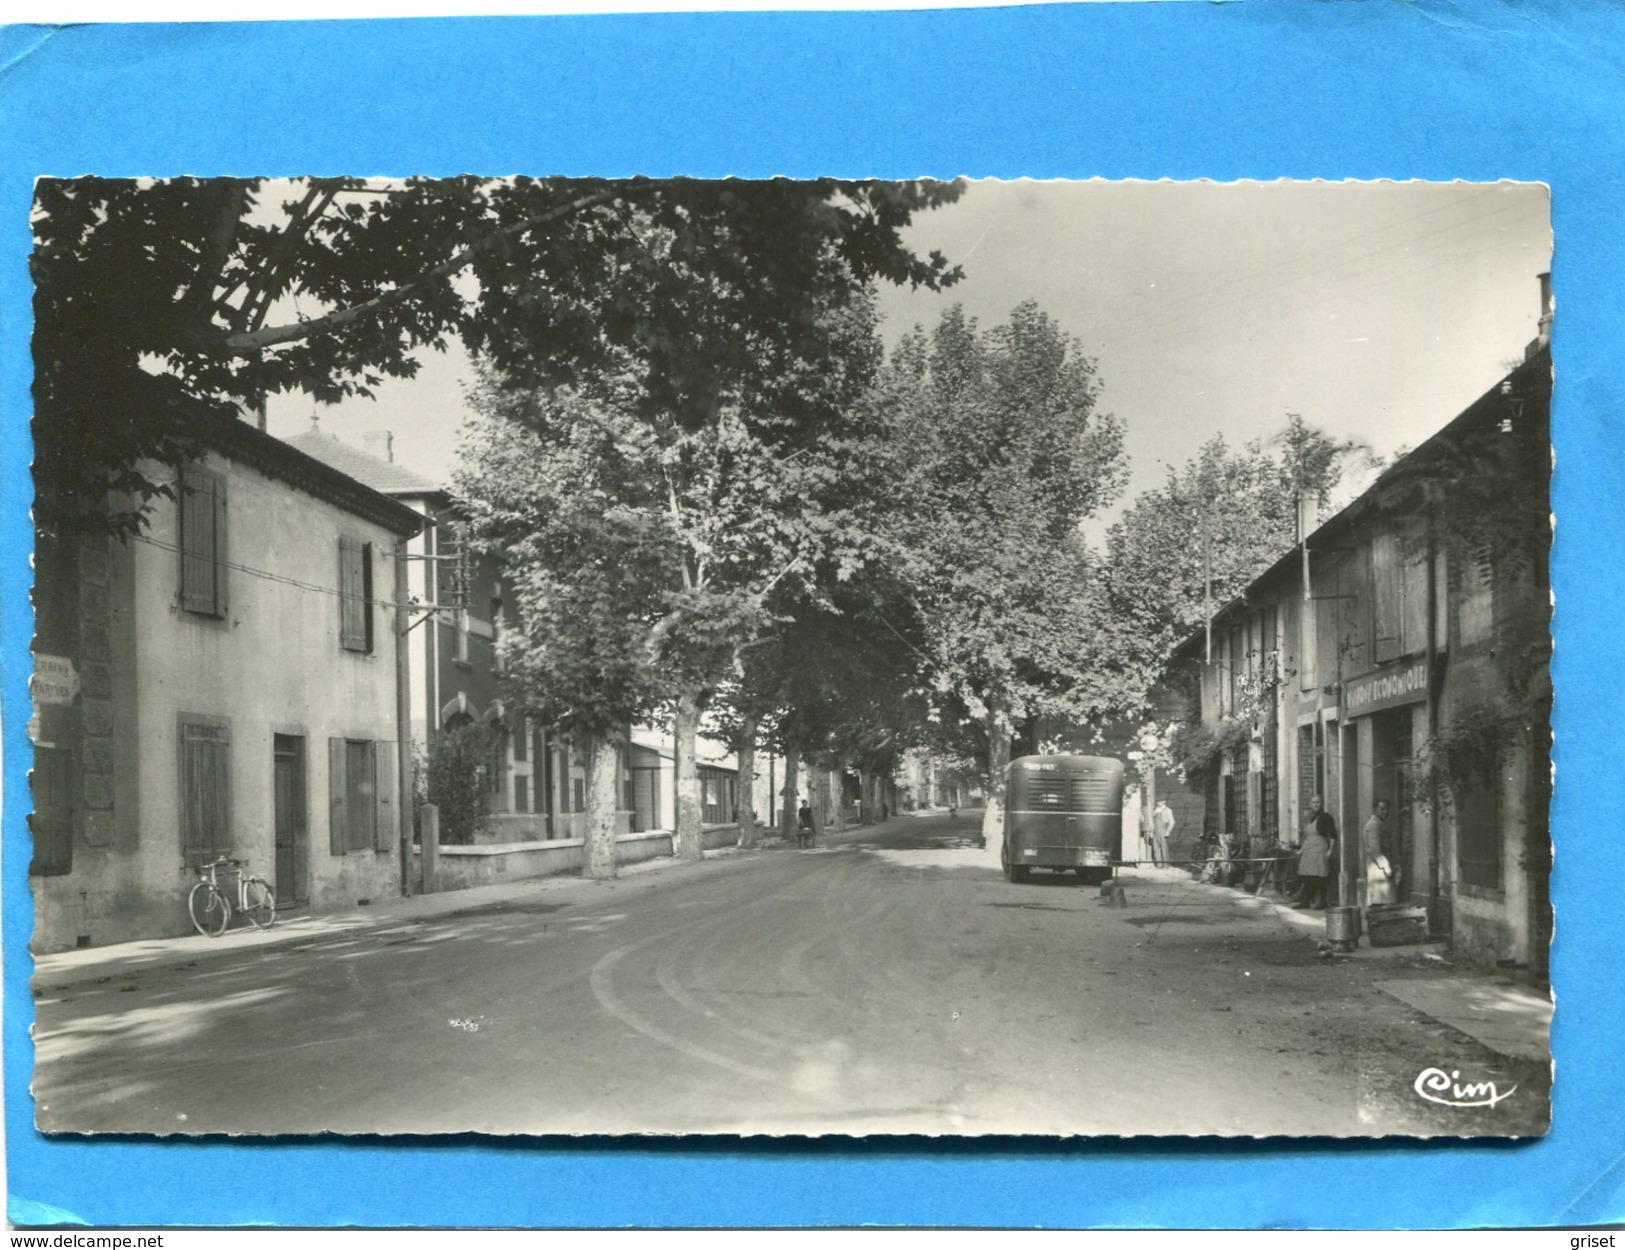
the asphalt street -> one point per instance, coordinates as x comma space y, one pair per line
888, 980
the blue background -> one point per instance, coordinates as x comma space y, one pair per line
1251, 89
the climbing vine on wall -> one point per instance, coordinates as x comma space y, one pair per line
1195, 748
1467, 752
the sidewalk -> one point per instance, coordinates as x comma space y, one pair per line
1508, 1018
65, 967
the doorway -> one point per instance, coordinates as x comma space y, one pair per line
1391, 747
292, 828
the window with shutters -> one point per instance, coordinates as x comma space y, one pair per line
355, 594
1478, 831
1311, 771
1387, 597
205, 779
51, 821
1399, 582
361, 795
203, 541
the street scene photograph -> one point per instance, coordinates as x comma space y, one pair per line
556, 656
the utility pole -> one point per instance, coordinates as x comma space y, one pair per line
403, 717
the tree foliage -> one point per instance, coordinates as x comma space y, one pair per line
564, 490
162, 304
1191, 545
997, 452
708, 497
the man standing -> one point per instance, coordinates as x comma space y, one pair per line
1381, 884
1315, 856
1162, 827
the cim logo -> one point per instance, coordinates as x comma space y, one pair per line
1448, 1090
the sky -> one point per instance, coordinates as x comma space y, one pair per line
1375, 310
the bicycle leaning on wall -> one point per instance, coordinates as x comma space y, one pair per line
210, 906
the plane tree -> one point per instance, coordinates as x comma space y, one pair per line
742, 483
999, 451
159, 304
1183, 549
831, 683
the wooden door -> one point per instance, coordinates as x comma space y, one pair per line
292, 828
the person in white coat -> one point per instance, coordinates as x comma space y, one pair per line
1381, 876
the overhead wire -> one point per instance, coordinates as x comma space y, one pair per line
267, 575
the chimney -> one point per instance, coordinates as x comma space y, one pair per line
380, 443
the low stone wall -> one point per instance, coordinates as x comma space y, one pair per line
463, 867
508, 828
714, 836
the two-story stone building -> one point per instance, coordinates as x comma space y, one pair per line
226, 681
1399, 652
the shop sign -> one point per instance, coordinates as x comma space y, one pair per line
1391, 686
55, 680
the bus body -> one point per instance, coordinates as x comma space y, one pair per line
1063, 812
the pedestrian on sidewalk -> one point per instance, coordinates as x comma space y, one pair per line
804, 824
1381, 884
1315, 856
1162, 828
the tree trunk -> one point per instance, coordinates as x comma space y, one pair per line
792, 770
815, 800
690, 811
837, 791
603, 774
746, 784
998, 759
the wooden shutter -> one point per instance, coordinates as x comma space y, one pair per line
386, 833
221, 581
337, 795
1478, 830
1308, 774
366, 595
1414, 580
205, 781
361, 795
1388, 595
51, 821
352, 594
203, 542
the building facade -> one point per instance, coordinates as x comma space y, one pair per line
225, 682
535, 780
1399, 653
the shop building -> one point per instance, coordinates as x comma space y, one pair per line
1399, 652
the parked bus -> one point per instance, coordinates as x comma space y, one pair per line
1065, 813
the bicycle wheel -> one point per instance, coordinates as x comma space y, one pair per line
210, 911
260, 902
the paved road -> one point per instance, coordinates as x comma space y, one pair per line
887, 981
